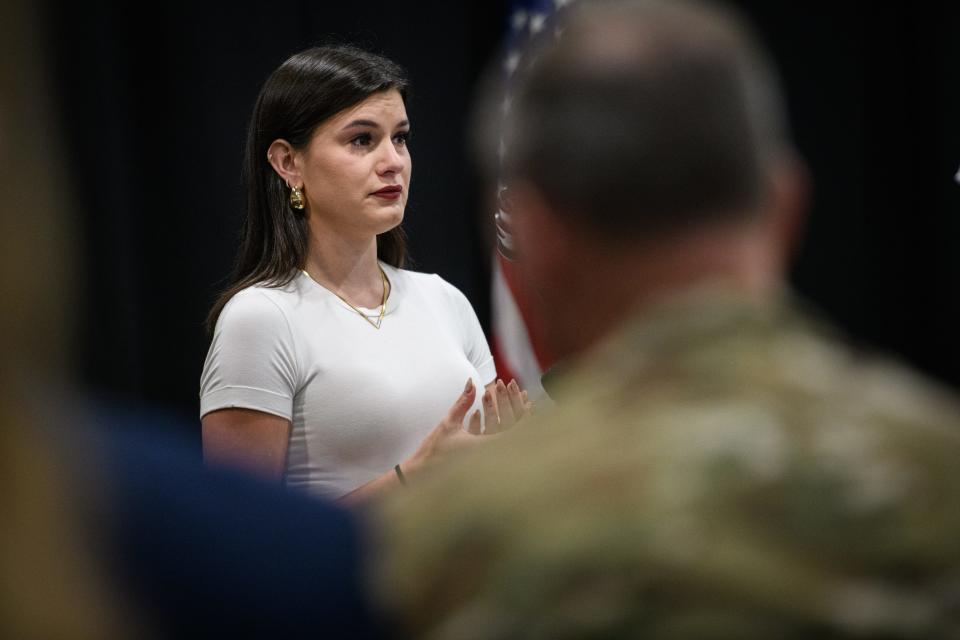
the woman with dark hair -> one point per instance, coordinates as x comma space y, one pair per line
332, 367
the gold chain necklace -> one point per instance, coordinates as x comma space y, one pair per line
383, 300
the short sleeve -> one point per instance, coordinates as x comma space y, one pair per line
252, 361
475, 344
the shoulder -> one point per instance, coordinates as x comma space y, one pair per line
411, 277
147, 465
436, 283
257, 306
431, 285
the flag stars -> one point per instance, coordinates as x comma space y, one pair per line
510, 64
519, 19
536, 22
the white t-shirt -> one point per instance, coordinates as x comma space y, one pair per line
359, 399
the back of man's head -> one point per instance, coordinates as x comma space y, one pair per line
642, 117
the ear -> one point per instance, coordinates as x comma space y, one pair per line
544, 239
789, 203
283, 158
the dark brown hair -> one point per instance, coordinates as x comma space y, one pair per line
307, 89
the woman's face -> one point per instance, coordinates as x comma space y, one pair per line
352, 155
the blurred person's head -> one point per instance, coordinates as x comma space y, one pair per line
304, 134
644, 150
38, 274
50, 585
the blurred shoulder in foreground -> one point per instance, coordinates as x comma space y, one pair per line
721, 469
203, 551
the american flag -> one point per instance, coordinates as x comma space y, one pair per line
518, 346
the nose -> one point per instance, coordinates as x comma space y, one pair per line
392, 160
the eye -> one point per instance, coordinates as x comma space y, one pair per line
403, 138
361, 140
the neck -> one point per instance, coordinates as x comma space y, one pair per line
345, 265
622, 282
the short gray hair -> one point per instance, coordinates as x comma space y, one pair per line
641, 116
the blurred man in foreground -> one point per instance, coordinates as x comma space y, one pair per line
720, 463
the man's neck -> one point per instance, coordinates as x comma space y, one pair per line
616, 284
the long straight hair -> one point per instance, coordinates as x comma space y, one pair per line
302, 93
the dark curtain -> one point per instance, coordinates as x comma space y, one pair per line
155, 97
874, 94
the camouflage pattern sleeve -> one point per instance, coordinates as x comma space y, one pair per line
718, 470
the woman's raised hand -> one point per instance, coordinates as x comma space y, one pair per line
503, 406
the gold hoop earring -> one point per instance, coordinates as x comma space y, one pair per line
296, 198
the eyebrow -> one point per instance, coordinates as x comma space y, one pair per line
371, 123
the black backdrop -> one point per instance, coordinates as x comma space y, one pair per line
154, 100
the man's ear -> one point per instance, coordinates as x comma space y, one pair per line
789, 203
282, 157
543, 238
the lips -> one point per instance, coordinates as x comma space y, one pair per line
389, 190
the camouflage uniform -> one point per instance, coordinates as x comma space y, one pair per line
720, 468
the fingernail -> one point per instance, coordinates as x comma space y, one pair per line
514, 385
486, 396
468, 387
